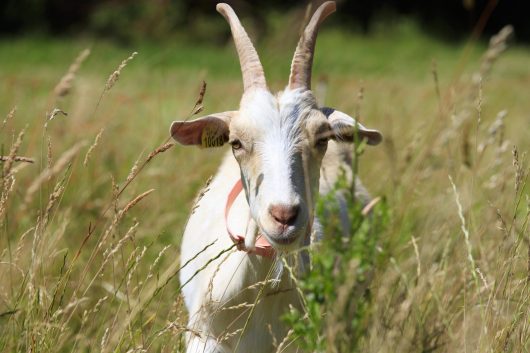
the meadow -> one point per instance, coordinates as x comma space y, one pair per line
91, 222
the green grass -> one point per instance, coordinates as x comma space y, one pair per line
52, 278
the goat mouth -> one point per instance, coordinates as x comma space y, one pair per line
284, 239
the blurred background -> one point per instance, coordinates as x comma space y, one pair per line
129, 20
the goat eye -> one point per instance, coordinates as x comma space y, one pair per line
236, 144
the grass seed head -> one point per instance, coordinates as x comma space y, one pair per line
9, 117
47, 174
54, 113
92, 147
113, 78
49, 153
13, 152
64, 86
160, 149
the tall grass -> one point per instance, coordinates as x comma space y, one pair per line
68, 282
92, 203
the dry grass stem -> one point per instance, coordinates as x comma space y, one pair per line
497, 45
13, 152
359, 103
7, 189
17, 159
273, 337
202, 93
159, 150
122, 213
104, 340
113, 78
150, 273
47, 174
417, 253
128, 235
370, 206
198, 107
98, 305
54, 196
54, 113
464, 229
229, 335
21, 243
285, 342
64, 86
201, 194
134, 265
434, 71
519, 169
92, 147
9, 117
134, 171
49, 159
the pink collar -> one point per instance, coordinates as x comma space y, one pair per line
263, 247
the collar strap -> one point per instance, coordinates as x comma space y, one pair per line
262, 247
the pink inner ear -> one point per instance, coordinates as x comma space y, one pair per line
188, 132
209, 131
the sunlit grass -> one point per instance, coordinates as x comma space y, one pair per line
60, 292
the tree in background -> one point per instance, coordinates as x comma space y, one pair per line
127, 20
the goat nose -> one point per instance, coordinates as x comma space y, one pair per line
284, 214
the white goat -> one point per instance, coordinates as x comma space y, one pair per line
278, 157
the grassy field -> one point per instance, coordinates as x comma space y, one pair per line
90, 232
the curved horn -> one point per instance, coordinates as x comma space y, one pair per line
303, 56
251, 68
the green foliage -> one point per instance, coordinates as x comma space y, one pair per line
128, 21
337, 288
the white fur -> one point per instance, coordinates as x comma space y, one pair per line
235, 299
217, 288
224, 283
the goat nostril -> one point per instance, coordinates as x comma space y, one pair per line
284, 214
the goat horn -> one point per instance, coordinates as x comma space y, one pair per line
303, 56
251, 68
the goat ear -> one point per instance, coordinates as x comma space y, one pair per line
343, 127
208, 131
